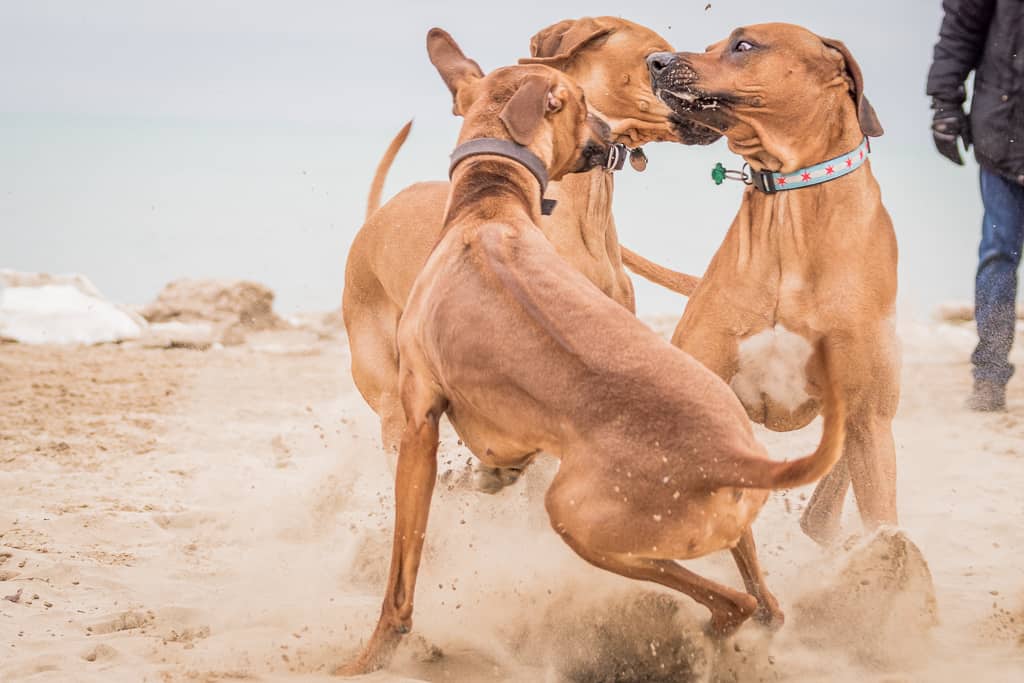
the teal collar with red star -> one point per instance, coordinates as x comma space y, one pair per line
770, 182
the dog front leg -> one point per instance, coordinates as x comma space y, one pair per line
871, 458
866, 368
414, 487
821, 518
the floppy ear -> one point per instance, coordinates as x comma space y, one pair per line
869, 123
456, 69
557, 44
524, 112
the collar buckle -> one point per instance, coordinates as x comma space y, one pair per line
616, 158
763, 181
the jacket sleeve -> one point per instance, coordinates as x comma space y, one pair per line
961, 42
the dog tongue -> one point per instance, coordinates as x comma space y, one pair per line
637, 159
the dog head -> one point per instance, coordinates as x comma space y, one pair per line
607, 57
534, 106
778, 92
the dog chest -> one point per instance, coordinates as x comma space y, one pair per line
772, 368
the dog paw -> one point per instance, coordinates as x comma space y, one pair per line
770, 616
821, 529
726, 621
493, 479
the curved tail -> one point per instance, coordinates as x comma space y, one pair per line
377, 186
680, 283
761, 473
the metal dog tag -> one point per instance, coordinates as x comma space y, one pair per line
637, 159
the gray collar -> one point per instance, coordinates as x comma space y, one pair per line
509, 150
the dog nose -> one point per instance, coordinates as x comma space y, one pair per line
659, 61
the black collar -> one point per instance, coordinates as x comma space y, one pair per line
509, 150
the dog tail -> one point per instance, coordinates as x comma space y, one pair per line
377, 186
760, 473
680, 283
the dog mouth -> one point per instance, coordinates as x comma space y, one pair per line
699, 117
692, 132
691, 100
677, 88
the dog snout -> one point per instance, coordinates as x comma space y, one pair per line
658, 62
594, 153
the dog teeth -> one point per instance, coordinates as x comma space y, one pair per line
684, 96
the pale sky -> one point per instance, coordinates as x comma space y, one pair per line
143, 141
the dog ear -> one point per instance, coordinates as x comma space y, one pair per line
524, 112
557, 44
456, 69
869, 123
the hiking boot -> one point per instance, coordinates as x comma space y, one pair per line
988, 397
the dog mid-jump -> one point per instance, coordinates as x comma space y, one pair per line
524, 353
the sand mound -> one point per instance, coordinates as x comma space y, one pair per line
642, 635
879, 606
327, 325
198, 313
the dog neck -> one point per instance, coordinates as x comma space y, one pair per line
478, 181
586, 211
795, 217
825, 133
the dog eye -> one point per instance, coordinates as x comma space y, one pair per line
743, 46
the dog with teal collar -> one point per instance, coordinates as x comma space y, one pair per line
797, 269
769, 182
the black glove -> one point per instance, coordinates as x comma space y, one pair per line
948, 124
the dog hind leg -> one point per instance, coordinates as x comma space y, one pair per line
745, 553
575, 524
729, 608
374, 351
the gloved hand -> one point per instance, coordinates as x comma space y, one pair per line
948, 124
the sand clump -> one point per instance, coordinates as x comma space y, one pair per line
876, 601
197, 313
638, 636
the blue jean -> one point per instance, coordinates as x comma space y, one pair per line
995, 287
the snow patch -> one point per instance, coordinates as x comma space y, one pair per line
62, 314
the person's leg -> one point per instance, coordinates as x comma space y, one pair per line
996, 288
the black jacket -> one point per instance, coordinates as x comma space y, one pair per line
986, 36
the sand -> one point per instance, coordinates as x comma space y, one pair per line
172, 514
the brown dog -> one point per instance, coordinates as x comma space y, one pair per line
524, 353
392, 246
799, 269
